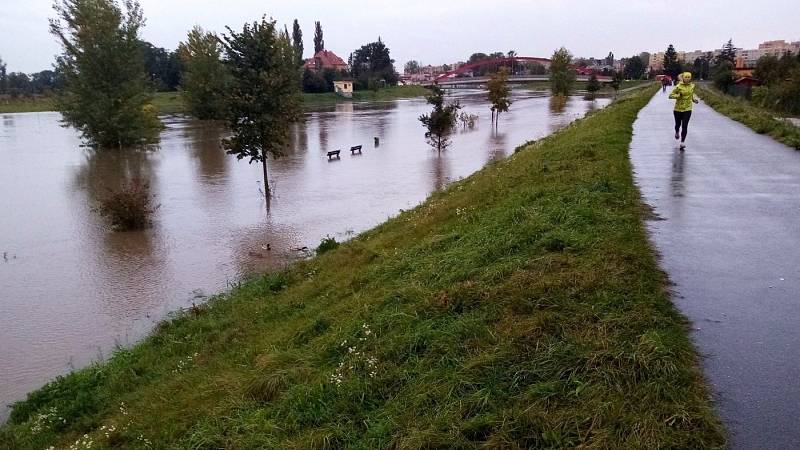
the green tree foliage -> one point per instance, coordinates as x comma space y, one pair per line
535, 68
264, 99
723, 75
297, 42
104, 92
206, 79
562, 76
672, 66
3, 77
44, 82
645, 57
781, 78
440, 122
593, 86
411, 67
616, 81
163, 67
18, 84
728, 53
372, 65
319, 42
634, 68
313, 82
499, 93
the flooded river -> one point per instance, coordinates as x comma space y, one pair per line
71, 289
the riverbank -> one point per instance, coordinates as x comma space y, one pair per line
172, 102
758, 119
522, 305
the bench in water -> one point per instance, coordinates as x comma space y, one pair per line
355, 149
333, 153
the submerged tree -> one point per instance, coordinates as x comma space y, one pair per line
562, 76
264, 99
592, 86
206, 79
499, 93
104, 92
440, 121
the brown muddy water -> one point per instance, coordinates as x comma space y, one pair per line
71, 289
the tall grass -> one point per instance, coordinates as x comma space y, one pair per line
760, 120
521, 307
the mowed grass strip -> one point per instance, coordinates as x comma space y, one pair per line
521, 307
760, 120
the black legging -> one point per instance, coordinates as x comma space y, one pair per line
682, 121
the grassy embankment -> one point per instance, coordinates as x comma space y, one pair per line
761, 120
172, 102
521, 307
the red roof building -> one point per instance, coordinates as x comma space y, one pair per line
325, 59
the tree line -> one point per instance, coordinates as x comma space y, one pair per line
250, 77
163, 69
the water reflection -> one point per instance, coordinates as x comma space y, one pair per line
204, 142
439, 173
105, 171
497, 145
558, 104
676, 184
78, 286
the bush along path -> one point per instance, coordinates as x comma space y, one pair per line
521, 307
760, 120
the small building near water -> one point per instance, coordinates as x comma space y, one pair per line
343, 88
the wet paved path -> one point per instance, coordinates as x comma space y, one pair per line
729, 237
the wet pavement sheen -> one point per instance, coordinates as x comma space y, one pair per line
728, 232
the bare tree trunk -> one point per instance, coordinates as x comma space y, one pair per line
267, 192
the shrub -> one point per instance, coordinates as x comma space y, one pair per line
129, 208
327, 244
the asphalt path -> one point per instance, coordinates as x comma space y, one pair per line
727, 227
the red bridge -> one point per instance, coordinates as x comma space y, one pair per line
452, 76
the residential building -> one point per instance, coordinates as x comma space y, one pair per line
343, 88
325, 59
745, 58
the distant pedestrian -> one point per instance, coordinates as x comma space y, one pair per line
684, 97
664, 83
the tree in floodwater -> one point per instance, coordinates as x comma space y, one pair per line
104, 92
265, 96
499, 93
206, 79
562, 76
440, 121
592, 87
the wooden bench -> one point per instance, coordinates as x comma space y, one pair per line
354, 149
333, 153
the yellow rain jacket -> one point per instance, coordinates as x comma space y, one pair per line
683, 93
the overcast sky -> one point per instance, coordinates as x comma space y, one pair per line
439, 31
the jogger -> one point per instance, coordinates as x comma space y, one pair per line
682, 123
684, 97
